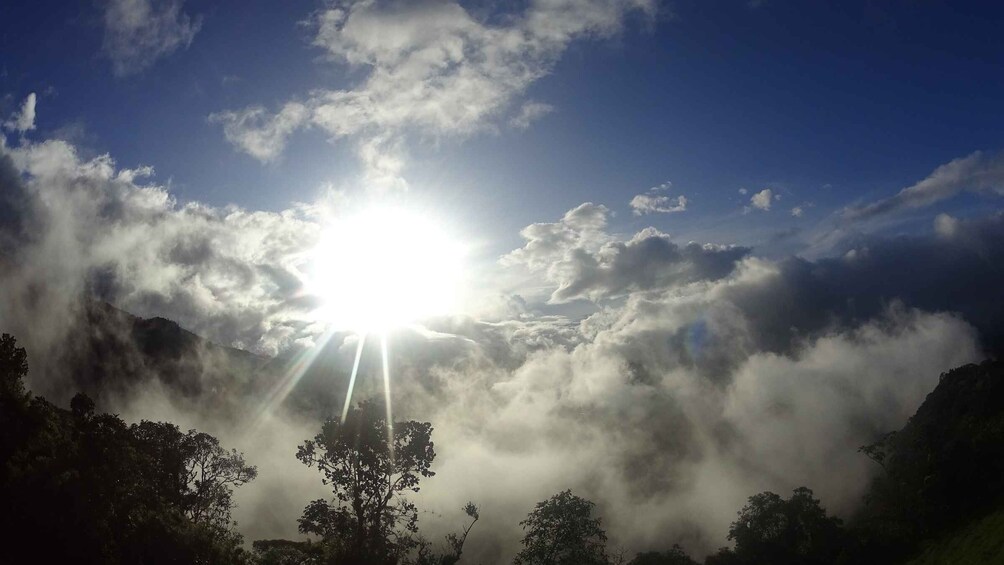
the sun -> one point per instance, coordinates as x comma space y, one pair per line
385, 268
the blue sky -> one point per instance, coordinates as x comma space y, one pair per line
827, 104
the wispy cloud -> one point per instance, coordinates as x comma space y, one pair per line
139, 32
431, 68
978, 172
23, 120
530, 112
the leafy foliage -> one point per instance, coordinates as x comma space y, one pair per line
770, 529
286, 552
673, 556
83, 487
562, 531
369, 466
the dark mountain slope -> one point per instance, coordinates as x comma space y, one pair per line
945, 468
120, 351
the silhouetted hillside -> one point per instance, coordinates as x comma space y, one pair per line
119, 351
945, 468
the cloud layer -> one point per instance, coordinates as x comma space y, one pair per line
665, 380
87, 227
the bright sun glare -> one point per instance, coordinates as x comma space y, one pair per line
385, 268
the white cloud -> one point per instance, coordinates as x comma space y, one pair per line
259, 134
530, 112
651, 202
797, 211
762, 200
945, 225
584, 262
549, 243
433, 68
978, 172
23, 120
139, 32
743, 191
229, 274
643, 204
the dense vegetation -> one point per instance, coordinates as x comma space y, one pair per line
84, 487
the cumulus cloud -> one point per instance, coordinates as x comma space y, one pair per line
979, 172
139, 32
432, 67
762, 200
645, 418
671, 407
653, 202
643, 204
581, 227
585, 262
23, 120
797, 211
87, 226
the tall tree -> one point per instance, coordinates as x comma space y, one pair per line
370, 466
773, 530
200, 472
562, 531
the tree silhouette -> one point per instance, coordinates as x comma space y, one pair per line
202, 472
673, 556
773, 530
286, 552
84, 487
455, 542
13, 368
369, 467
562, 531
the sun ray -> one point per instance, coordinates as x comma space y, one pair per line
352, 379
386, 395
293, 374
